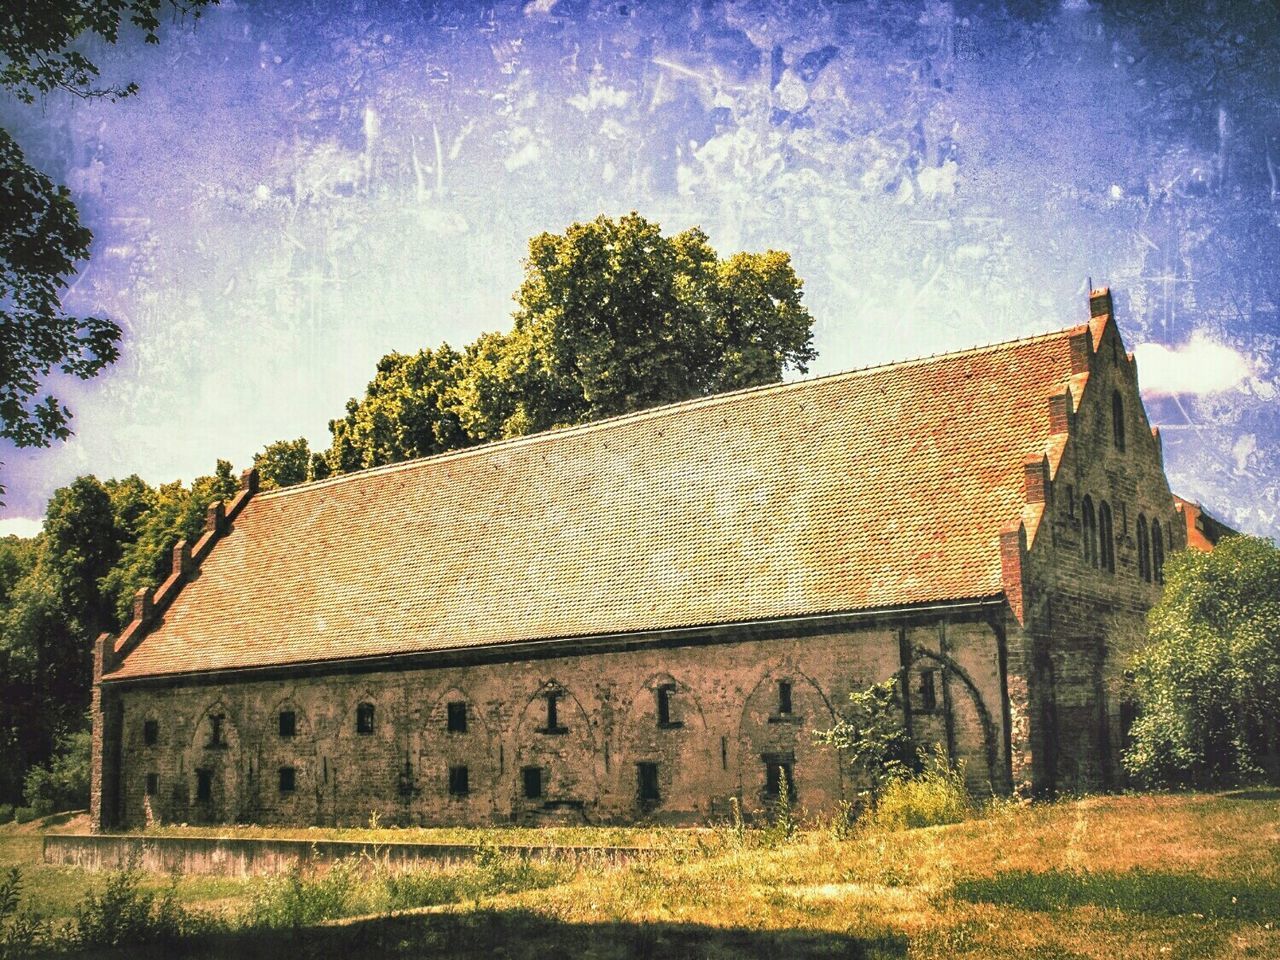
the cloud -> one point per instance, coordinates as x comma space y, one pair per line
1198, 367
20, 526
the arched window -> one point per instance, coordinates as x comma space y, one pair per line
1157, 551
1144, 549
364, 718
1089, 527
1106, 538
1117, 419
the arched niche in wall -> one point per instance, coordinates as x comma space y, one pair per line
553, 773
364, 767
663, 726
456, 754
972, 724
775, 739
214, 768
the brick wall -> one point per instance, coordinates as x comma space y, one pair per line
724, 720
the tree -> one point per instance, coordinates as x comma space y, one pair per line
1207, 682
283, 463
41, 237
613, 317
409, 410
873, 736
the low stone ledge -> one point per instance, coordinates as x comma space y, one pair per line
253, 856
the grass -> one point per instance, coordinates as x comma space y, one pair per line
1163, 877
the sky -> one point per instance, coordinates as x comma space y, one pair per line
299, 188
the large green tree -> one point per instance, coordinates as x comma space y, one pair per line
612, 316
283, 463
41, 237
1208, 679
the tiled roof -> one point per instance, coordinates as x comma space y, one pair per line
881, 487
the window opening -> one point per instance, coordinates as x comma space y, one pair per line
458, 782
204, 785
1106, 538
1089, 529
647, 782
1144, 549
457, 717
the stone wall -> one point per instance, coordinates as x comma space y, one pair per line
1082, 619
725, 724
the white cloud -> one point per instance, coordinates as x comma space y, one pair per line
1199, 366
20, 526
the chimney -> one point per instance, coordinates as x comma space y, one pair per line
1100, 303
215, 520
249, 480
1036, 479
142, 606
181, 558
1060, 412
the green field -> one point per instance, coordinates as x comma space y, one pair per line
1158, 876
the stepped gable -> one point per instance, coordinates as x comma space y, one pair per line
882, 487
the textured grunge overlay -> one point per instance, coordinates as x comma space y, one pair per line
301, 187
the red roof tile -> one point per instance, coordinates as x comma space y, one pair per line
881, 487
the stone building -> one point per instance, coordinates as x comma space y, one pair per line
647, 616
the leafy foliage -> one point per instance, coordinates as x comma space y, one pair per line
612, 316
63, 783
873, 736
41, 237
1208, 680
933, 797
283, 463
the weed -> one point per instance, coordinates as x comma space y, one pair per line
933, 797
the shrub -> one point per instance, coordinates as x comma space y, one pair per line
24, 814
1208, 680
22, 932
933, 797
123, 914
300, 897
64, 783
6, 812
873, 737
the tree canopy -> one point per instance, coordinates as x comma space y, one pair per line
612, 316
1208, 679
41, 237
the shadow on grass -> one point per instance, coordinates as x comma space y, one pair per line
520, 935
1258, 793
1134, 891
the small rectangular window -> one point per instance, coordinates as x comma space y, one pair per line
928, 691
457, 717
458, 782
288, 779
664, 694
364, 719
553, 715
784, 697
204, 785
776, 769
217, 737
153, 784
288, 723
532, 777
647, 782
150, 732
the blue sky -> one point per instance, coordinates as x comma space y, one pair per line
300, 188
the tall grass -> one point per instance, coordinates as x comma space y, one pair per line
935, 796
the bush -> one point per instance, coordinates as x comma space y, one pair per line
64, 783
25, 814
22, 931
1208, 680
6, 812
873, 737
124, 914
935, 796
